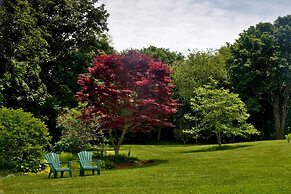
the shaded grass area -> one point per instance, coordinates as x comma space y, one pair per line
216, 148
253, 167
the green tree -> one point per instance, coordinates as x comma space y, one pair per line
22, 50
44, 46
76, 31
197, 70
260, 69
163, 54
220, 112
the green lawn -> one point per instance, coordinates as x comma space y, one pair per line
253, 167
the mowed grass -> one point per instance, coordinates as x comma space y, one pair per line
252, 167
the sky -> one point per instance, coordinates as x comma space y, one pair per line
183, 25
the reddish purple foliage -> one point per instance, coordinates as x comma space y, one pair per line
129, 91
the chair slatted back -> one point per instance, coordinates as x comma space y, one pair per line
53, 159
85, 158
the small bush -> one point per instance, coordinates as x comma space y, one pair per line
121, 159
23, 139
100, 151
77, 135
288, 137
111, 161
107, 164
70, 144
66, 156
183, 135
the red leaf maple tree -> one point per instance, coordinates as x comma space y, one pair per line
127, 92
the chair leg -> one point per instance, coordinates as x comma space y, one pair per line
93, 171
62, 174
55, 174
70, 173
50, 174
98, 171
82, 172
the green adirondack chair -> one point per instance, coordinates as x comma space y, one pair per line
53, 160
86, 163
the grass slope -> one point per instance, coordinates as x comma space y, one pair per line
253, 167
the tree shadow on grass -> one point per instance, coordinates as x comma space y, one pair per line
216, 148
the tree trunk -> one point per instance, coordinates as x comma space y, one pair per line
159, 134
117, 141
280, 115
285, 110
184, 142
196, 140
218, 135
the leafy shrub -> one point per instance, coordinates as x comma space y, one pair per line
183, 135
111, 161
107, 164
100, 150
73, 158
66, 156
76, 134
288, 137
23, 139
70, 144
121, 159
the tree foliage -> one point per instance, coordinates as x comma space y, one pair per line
130, 92
219, 112
168, 57
183, 135
260, 68
44, 46
198, 69
23, 139
162, 54
75, 32
77, 135
22, 50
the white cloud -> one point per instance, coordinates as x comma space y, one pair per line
186, 24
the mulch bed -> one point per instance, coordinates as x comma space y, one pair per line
133, 164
